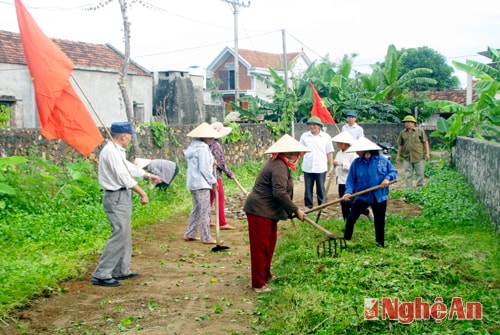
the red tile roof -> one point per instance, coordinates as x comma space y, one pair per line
264, 59
83, 55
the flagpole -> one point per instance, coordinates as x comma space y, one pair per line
285, 68
92, 107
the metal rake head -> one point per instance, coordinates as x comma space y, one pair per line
324, 248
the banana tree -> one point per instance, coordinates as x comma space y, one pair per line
390, 86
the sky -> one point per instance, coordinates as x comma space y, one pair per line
187, 34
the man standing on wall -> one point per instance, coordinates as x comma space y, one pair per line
414, 145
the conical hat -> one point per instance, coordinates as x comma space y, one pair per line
223, 131
363, 144
204, 131
344, 137
286, 144
142, 162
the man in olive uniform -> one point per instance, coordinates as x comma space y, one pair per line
414, 146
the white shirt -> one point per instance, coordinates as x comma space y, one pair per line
114, 170
356, 131
342, 171
316, 161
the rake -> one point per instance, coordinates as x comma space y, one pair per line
324, 247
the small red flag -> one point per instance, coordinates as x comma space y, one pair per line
319, 109
60, 111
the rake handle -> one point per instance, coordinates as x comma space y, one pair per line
321, 229
352, 196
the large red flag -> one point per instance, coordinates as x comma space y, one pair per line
319, 109
61, 112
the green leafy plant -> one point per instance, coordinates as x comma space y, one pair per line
158, 130
5, 113
236, 135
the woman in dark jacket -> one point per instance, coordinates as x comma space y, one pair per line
269, 202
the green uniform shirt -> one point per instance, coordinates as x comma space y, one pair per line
413, 142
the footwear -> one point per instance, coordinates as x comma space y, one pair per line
190, 239
227, 227
370, 215
212, 242
212, 224
263, 289
129, 276
105, 282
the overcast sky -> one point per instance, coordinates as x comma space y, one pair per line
179, 34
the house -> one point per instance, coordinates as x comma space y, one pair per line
250, 62
95, 78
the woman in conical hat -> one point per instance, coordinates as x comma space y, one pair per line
200, 180
368, 170
342, 163
269, 202
220, 161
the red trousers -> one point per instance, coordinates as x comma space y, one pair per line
263, 233
220, 191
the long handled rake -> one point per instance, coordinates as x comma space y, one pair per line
324, 247
326, 204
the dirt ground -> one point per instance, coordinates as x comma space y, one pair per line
184, 287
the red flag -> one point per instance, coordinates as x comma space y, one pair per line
61, 112
319, 109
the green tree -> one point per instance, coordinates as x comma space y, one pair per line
425, 57
394, 87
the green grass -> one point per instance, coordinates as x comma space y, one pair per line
53, 227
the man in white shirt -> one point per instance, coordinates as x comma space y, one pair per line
315, 163
116, 177
352, 127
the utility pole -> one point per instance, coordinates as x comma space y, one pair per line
236, 5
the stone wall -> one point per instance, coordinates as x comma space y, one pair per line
30, 141
479, 162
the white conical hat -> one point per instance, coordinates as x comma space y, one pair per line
142, 162
286, 144
344, 137
363, 144
223, 131
204, 131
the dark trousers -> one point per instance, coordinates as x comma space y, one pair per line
346, 205
263, 233
309, 180
357, 209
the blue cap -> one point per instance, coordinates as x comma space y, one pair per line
352, 113
122, 128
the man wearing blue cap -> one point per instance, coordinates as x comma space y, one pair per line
116, 177
352, 127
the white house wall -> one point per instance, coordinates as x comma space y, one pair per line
101, 88
13, 82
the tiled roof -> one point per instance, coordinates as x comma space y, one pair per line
84, 55
264, 59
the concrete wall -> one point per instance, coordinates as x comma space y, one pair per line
479, 162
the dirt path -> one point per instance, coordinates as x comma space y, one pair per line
184, 287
